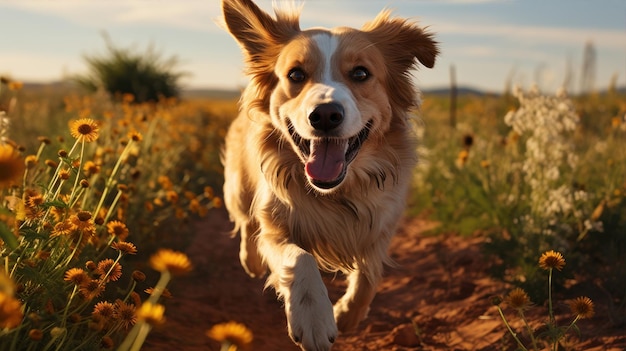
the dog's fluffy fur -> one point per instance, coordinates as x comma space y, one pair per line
319, 161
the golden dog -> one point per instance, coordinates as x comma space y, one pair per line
319, 161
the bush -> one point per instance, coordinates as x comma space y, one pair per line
144, 75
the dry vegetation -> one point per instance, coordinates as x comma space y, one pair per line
96, 193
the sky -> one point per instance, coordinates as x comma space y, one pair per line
489, 42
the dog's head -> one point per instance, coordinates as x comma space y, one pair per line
328, 90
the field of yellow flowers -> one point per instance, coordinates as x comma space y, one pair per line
96, 193
86, 183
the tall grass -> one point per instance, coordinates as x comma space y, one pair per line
532, 172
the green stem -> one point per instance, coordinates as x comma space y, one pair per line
141, 336
530, 331
80, 163
160, 287
67, 308
550, 311
110, 180
506, 323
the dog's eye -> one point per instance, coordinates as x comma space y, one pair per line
296, 75
359, 74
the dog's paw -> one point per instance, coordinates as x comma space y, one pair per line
348, 316
310, 319
250, 259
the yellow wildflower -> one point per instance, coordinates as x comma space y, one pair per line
582, 307
85, 129
151, 313
168, 260
232, 333
551, 260
11, 166
518, 299
10, 311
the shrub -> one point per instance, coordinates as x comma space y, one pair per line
146, 76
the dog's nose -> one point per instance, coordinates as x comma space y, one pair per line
326, 117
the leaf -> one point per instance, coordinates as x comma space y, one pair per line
7, 236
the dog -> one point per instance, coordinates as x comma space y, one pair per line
318, 163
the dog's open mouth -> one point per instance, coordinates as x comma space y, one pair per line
326, 159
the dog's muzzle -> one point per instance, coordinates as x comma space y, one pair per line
326, 159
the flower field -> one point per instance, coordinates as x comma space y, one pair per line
99, 198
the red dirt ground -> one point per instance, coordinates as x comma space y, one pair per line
436, 299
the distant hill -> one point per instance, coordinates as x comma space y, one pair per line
232, 94
221, 94
229, 94
460, 91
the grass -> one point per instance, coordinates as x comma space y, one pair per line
503, 172
92, 188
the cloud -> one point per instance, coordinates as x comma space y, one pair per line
192, 14
612, 39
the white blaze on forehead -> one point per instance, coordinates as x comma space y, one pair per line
332, 89
327, 44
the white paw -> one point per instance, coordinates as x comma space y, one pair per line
310, 318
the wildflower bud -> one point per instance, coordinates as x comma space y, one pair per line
34, 317
217, 202
57, 332
62, 153
51, 164
122, 187
44, 140
139, 276
60, 139
136, 298
107, 342
91, 265
64, 174
84, 183
208, 192
30, 161
496, 300
99, 220
35, 334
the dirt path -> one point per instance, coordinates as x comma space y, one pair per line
436, 299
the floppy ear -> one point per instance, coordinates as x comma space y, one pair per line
255, 30
401, 42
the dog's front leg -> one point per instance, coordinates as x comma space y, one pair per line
354, 305
297, 280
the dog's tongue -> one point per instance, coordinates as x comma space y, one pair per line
326, 160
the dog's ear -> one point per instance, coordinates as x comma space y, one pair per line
402, 41
256, 31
